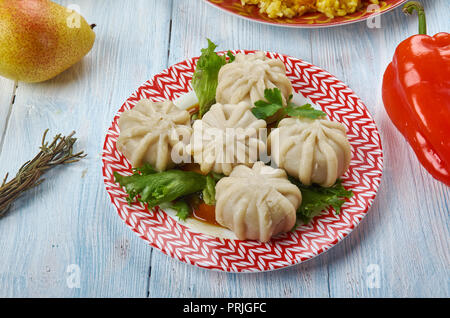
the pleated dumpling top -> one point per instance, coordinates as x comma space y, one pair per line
226, 136
248, 76
314, 151
257, 203
154, 133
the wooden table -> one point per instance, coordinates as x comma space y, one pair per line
67, 228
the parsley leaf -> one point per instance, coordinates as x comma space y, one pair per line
269, 107
273, 103
304, 111
231, 57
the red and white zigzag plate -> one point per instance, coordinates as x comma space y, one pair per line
164, 232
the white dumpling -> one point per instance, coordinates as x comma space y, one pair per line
227, 135
248, 76
154, 133
314, 151
257, 203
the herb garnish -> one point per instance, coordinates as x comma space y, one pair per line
205, 78
170, 188
59, 152
159, 187
273, 104
316, 199
183, 209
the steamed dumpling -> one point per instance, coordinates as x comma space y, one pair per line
227, 135
154, 133
257, 203
314, 151
248, 76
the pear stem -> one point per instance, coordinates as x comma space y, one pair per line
93, 26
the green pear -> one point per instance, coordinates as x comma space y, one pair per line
39, 39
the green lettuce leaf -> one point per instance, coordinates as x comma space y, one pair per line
209, 193
205, 78
316, 199
144, 170
183, 209
160, 187
169, 189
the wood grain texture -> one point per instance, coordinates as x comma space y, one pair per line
70, 220
7, 90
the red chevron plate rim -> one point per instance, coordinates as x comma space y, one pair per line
172, 238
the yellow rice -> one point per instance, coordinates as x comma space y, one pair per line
292, 8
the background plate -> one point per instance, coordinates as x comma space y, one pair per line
308, 20
174, 239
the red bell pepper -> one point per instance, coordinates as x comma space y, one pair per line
416, 95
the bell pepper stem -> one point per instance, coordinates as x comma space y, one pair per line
409, 8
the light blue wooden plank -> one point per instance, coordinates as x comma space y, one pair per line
7, 88
194, 21
69, 218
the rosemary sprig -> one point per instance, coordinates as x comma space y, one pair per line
58, 152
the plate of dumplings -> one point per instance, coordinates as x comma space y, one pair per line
251, 173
